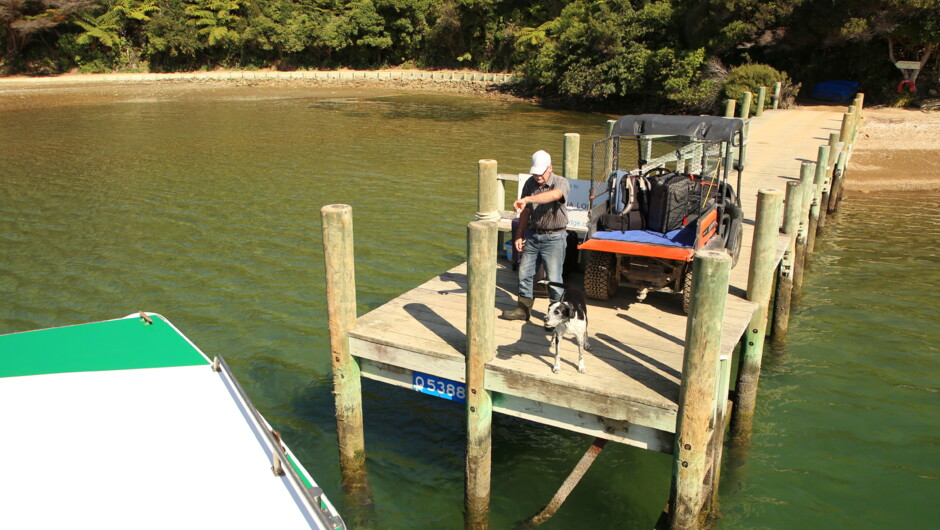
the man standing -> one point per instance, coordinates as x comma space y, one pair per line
542, 210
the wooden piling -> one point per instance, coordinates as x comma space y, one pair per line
571, 153
695, 424
838, 181
834, 148
776, 100
759, 283
729, 108
481, 318
487, 195
341, 314
746, 105
845, 130
761, 97
799, 254
745, 132
856, 121
791, 225
815, 211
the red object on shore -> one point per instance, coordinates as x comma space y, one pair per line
912, 87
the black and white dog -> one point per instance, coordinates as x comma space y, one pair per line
568, 317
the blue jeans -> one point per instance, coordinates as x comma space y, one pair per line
551, 248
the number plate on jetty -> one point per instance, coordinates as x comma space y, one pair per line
440, 387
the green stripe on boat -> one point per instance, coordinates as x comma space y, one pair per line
122, 344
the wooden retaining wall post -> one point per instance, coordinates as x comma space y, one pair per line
761, 97
697, 393
791, 225
760, 281
341, 310
799, 265
815, 211
571, 155
481, 348
776, 101
729, 108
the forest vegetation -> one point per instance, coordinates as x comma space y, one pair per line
666, 55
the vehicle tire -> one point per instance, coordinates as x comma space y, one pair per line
601, 277
735, 248
687, 288
732, 232
724, 229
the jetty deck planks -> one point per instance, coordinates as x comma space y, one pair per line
630, 391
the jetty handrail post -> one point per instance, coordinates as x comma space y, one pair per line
816, 212
695, 422
761, 97
487, 195
791, 224
799, 256
729, 108
760, 281
341, 310
571, 155
777, 86
481, 348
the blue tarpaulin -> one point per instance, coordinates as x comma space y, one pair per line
837, 91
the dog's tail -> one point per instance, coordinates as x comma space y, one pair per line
553, 284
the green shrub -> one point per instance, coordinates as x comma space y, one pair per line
749, 78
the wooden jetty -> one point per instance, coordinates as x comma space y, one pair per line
631, 392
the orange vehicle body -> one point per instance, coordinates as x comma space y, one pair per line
708, 227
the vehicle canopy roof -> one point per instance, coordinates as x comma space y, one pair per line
714, 128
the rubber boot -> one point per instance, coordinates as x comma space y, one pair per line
522, 310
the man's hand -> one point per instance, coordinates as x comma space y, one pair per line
519, 204
519, 243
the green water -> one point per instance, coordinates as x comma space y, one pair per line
208, 213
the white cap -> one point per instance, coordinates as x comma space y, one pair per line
540, 162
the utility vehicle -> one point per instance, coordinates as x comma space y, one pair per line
646, 222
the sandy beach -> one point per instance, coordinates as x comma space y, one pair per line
896, 149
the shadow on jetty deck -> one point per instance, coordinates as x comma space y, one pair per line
629, 393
